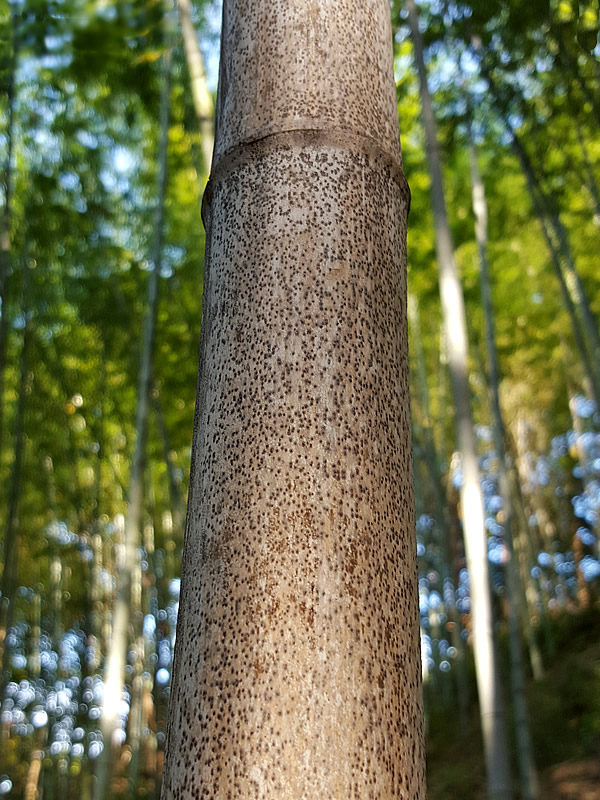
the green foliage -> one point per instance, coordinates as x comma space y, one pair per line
83, 175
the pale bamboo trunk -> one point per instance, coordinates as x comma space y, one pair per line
55, 592
35, 766
297, 671
513, 590
201, 97
453, 310
441, 512
126, 575
96, 592
136, 714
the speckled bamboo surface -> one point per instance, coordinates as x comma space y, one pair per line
297, 670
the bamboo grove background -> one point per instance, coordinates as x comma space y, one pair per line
105, 143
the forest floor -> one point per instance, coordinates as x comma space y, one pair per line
573, 780
564, 710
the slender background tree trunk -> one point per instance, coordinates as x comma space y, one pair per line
527, 771
201, 97
10, 566
441, 511
6, 214
488, 678
126, 577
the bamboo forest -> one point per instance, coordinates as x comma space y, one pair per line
308, 611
